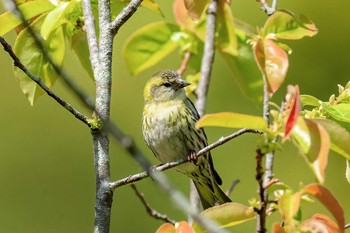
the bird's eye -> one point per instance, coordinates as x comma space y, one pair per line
167, 84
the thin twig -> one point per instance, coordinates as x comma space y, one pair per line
163, 167
184, 63
126, 13
17, 62
261, 219
152, 212
232, 187
91, 35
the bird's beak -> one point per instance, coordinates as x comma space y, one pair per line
180, 83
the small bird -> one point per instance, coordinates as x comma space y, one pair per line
168, 127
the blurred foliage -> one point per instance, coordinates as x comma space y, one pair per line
46, 157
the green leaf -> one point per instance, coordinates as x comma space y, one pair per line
150, 4
309, 100
233, 120
246, 73
149, 45
32, 57
289, 205
328, 200
340, 112
313, 140
227, 215
226, 39
61, 15
339, 137
29, 10
284, 25
79, 45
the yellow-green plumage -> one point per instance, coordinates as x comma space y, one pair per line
168, 127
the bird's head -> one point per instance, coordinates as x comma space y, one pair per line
165, 86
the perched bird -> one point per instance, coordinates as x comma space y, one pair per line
168, 127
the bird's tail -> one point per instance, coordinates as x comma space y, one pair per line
211, 194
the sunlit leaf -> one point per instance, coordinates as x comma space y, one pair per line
272, 61
292, 109
79, 45
309, 100
183, 227
277, 228
29, 10
166, 228
340, 112
149, 45
150, 4
289, 205
339, 136
233, 120
313, 140
181, 15
284, 25
226, 215
329, 201
32, 57
195, 8
319, 223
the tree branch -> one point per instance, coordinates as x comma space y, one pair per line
152, 212
163, 167
91, 35
17, 62
126, 13
265, 6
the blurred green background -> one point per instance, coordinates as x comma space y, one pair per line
46, 163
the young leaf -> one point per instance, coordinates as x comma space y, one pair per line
232, 120
166, 228
340, 112
181, 15
339, 137
347, 172
292, 109
33, 58
149, 45
309, 100
150, 4
329, 201
284, 25
195, 8
226, 215
313, 140
272, 61
277, 229
226, 39
319, 223
79, 45
29, 10
183, 227
288, 206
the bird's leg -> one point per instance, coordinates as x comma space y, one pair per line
192, 157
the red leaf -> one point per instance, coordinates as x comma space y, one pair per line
319, 223
166, 228
329, 201
183, 227
292, 108
277, 229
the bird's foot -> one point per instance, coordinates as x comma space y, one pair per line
192, 157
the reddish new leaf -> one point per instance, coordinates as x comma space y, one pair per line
292, 109
166, 228
195, 8
329, 201
272, 61
277, 229
319, 223
183, 227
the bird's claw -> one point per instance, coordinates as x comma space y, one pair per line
192, 157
